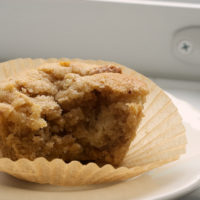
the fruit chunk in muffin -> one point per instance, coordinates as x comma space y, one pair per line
71, 111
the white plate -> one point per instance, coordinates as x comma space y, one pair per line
170, 181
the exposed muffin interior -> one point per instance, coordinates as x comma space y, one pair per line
70, 111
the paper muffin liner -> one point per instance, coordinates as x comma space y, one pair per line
160, 138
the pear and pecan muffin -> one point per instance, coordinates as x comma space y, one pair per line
70, 111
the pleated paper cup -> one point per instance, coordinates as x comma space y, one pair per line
160, 138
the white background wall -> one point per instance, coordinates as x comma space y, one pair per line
139, 36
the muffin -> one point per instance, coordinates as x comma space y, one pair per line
70, 111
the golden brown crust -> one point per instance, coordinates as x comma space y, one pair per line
106, 68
